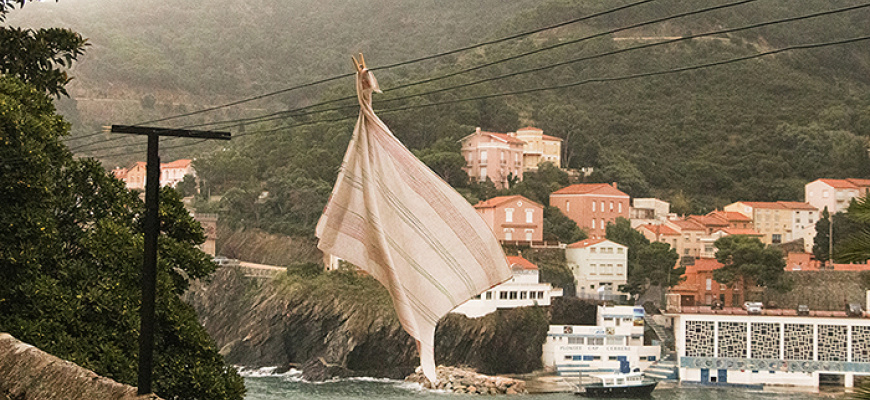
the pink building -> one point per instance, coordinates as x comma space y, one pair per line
513, 218
591, 205
170, 173
835, 194
493, 156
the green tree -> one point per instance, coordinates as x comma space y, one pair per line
856, 246
38, 57
655, 266
845, 226
71, 256
187, 187
745, 259
559, 227
445, 158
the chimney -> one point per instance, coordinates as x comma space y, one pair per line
614, 185
477, 130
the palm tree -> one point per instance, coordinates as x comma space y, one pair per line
856, 248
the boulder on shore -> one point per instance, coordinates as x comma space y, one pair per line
463, 380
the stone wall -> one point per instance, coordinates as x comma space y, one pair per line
820, 290
27, 373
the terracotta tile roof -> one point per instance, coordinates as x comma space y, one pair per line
137, 164
590, 188
660, 229
687, 225
859, 182
553, 138
504, 137
839, 183
183, 163
497, 201
797, 205
585, 243
763, 204
530, 128
709, 220
517, 261
732, 216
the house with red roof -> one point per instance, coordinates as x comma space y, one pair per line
699, 287
539, 148
493, 156
780, 221
835, 194
524, 289
513, 218
170, 173
591, 205
600, 267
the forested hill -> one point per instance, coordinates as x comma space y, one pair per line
751, 130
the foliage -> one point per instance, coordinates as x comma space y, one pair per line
855, 247
71, 255
746, 259
558, 275
572, 311
846, 229
187, 187
521, 329
560, 227
648, 264
39, 57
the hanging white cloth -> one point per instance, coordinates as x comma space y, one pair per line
393, 217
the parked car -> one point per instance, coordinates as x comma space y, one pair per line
803, 309
753, 307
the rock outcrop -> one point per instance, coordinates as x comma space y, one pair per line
462, 380
28, 373
343, 324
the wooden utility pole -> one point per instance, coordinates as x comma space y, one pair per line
152, 231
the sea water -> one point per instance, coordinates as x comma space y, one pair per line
265, 384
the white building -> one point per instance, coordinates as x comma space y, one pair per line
599, 267
648, 211
523, 290
835, 194
780, 350
614, 344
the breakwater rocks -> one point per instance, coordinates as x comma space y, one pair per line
460, 380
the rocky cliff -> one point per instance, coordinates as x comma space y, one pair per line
342, 324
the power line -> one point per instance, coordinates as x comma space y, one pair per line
565, 86
295, 112
407, 62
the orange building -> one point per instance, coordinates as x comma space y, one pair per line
493, 156
699, 287
513, 218
591, 205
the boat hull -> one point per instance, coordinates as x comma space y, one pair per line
631, 391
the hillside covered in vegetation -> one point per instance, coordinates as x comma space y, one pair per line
757, 129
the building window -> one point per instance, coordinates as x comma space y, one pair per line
603, 225
825, 194
593, 206
524, 295
530, 234
602, 206
483, 173
567, 206
619, 250
620, 207
709, 284
509, 215
595, 341
489, 295
776, 238
530, 213
508, 234
593, 223
483, 154
513, 295
611, 206
592, 269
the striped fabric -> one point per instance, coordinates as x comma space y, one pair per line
396, 219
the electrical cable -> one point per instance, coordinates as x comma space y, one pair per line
569, 85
